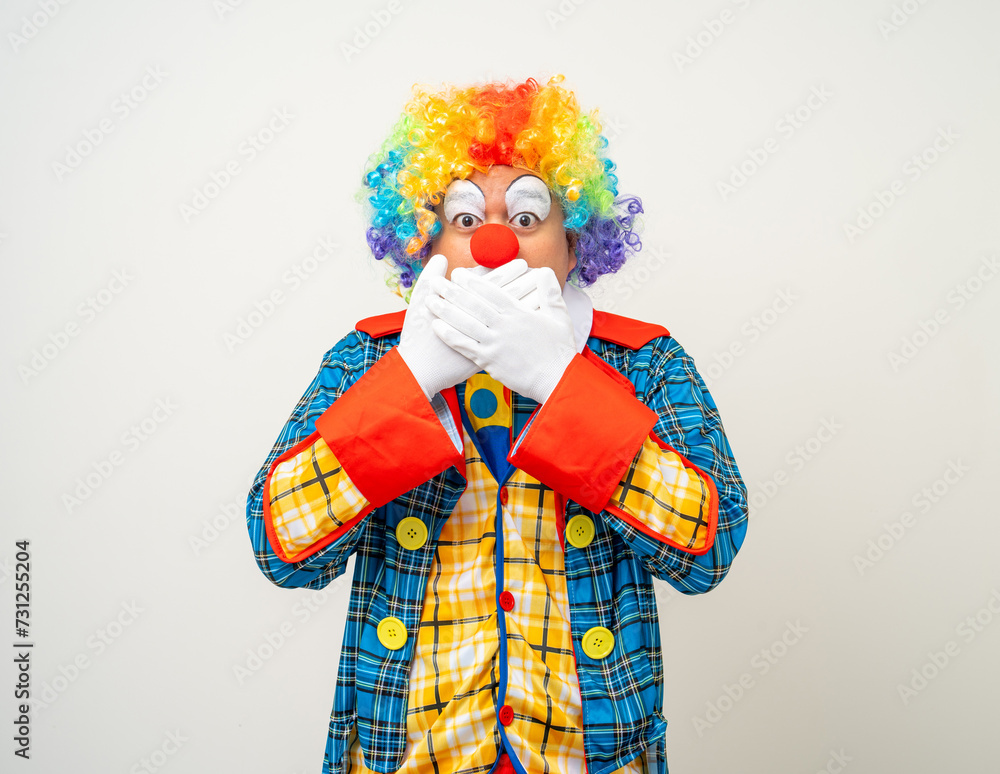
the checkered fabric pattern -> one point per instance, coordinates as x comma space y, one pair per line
310, 497
443, 690
457, 669
667, 496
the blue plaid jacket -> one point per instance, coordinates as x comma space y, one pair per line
609, 585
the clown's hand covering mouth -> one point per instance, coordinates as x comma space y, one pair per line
524, 347
434, 364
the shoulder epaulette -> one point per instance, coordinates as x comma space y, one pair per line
381, 324
626, 331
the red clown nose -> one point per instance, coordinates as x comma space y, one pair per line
493, 245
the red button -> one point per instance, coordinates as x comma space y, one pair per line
506, 600
506, 714
503, 495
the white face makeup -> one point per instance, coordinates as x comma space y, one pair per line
464, 197
509, 195
527, 198
528, 195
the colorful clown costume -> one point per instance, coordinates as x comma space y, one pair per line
502, 600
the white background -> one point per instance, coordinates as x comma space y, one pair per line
714, 270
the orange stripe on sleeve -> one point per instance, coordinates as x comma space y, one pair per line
385, 433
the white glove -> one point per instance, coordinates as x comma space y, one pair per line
524, 347
434, 364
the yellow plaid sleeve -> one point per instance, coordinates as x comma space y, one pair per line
668, 497
310, 496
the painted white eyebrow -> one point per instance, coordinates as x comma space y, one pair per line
528, 194
464, 196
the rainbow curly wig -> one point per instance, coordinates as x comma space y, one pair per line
450, 134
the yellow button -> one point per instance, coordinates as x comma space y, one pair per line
392, 633
411, 533
598, 642
580, 531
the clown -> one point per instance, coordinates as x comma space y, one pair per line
509, 467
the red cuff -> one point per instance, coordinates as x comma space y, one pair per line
582, 439
385, 433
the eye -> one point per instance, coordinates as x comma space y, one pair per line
466, 220
526, 219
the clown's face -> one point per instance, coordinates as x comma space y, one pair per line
516, 198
